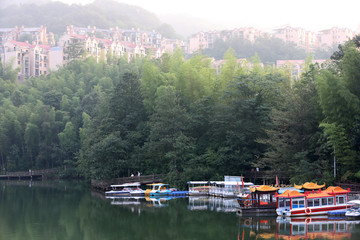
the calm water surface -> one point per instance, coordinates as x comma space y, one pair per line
70, 210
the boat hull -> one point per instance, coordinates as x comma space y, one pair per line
309, 211
117, 193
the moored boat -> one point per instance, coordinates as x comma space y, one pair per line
157, 189
293, 203
118, 190
198, 188
261, 201
134, 189
354, 211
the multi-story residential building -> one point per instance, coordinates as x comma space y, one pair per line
289, 35
36, 35
31, 60
296, 67
250, 33
169, 45
8, 34
203, 40
334, 36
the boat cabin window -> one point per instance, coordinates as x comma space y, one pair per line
284, 202
316, 202
298, 203
327, 201
310, 202
340, 199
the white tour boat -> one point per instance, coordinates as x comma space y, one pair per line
292, 203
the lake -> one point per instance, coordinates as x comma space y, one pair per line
70, 210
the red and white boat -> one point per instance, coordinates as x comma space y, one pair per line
291, 203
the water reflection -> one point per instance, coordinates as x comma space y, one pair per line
320, 227
212, 204
69, 210
265, 227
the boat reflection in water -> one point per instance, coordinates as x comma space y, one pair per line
217, 204
315, 227
320, 227
141, 202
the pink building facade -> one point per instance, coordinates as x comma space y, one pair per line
334, 36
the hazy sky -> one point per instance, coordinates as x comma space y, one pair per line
312, 15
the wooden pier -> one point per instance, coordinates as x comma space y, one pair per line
28, 175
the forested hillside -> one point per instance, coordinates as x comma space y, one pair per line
101, 13
269, 49
178, 116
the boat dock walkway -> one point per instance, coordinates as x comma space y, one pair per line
179, 193
28, 175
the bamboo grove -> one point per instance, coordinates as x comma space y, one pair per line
181, 117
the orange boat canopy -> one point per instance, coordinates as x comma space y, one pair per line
309, 186
318, 195
264, 188
336, 190
290, 194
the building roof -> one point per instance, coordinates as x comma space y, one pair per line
290, 194
309, 186
47, 47
6, 29
264, 188
104, 40
22, 44
336, 190
35, 29
128, 44
79, 36
317, 195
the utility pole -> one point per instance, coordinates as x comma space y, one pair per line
334, 164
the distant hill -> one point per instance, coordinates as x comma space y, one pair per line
6, 3
186, 25
56, 16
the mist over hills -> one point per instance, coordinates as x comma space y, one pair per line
186, 25
101, 13
56, 16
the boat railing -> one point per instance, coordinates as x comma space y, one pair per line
254, 202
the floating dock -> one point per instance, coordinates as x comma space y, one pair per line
178, 193
337, 213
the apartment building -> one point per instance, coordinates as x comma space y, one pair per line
204, 40
308, 40
31, 60
334, 36
35, 35
296, 67
169, 45
296, 36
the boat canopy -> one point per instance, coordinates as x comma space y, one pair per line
264, 188
155, 184
336, 190
135, 184
309, 186
317, 195
290, 194
198, 182
235, 183
354, 202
